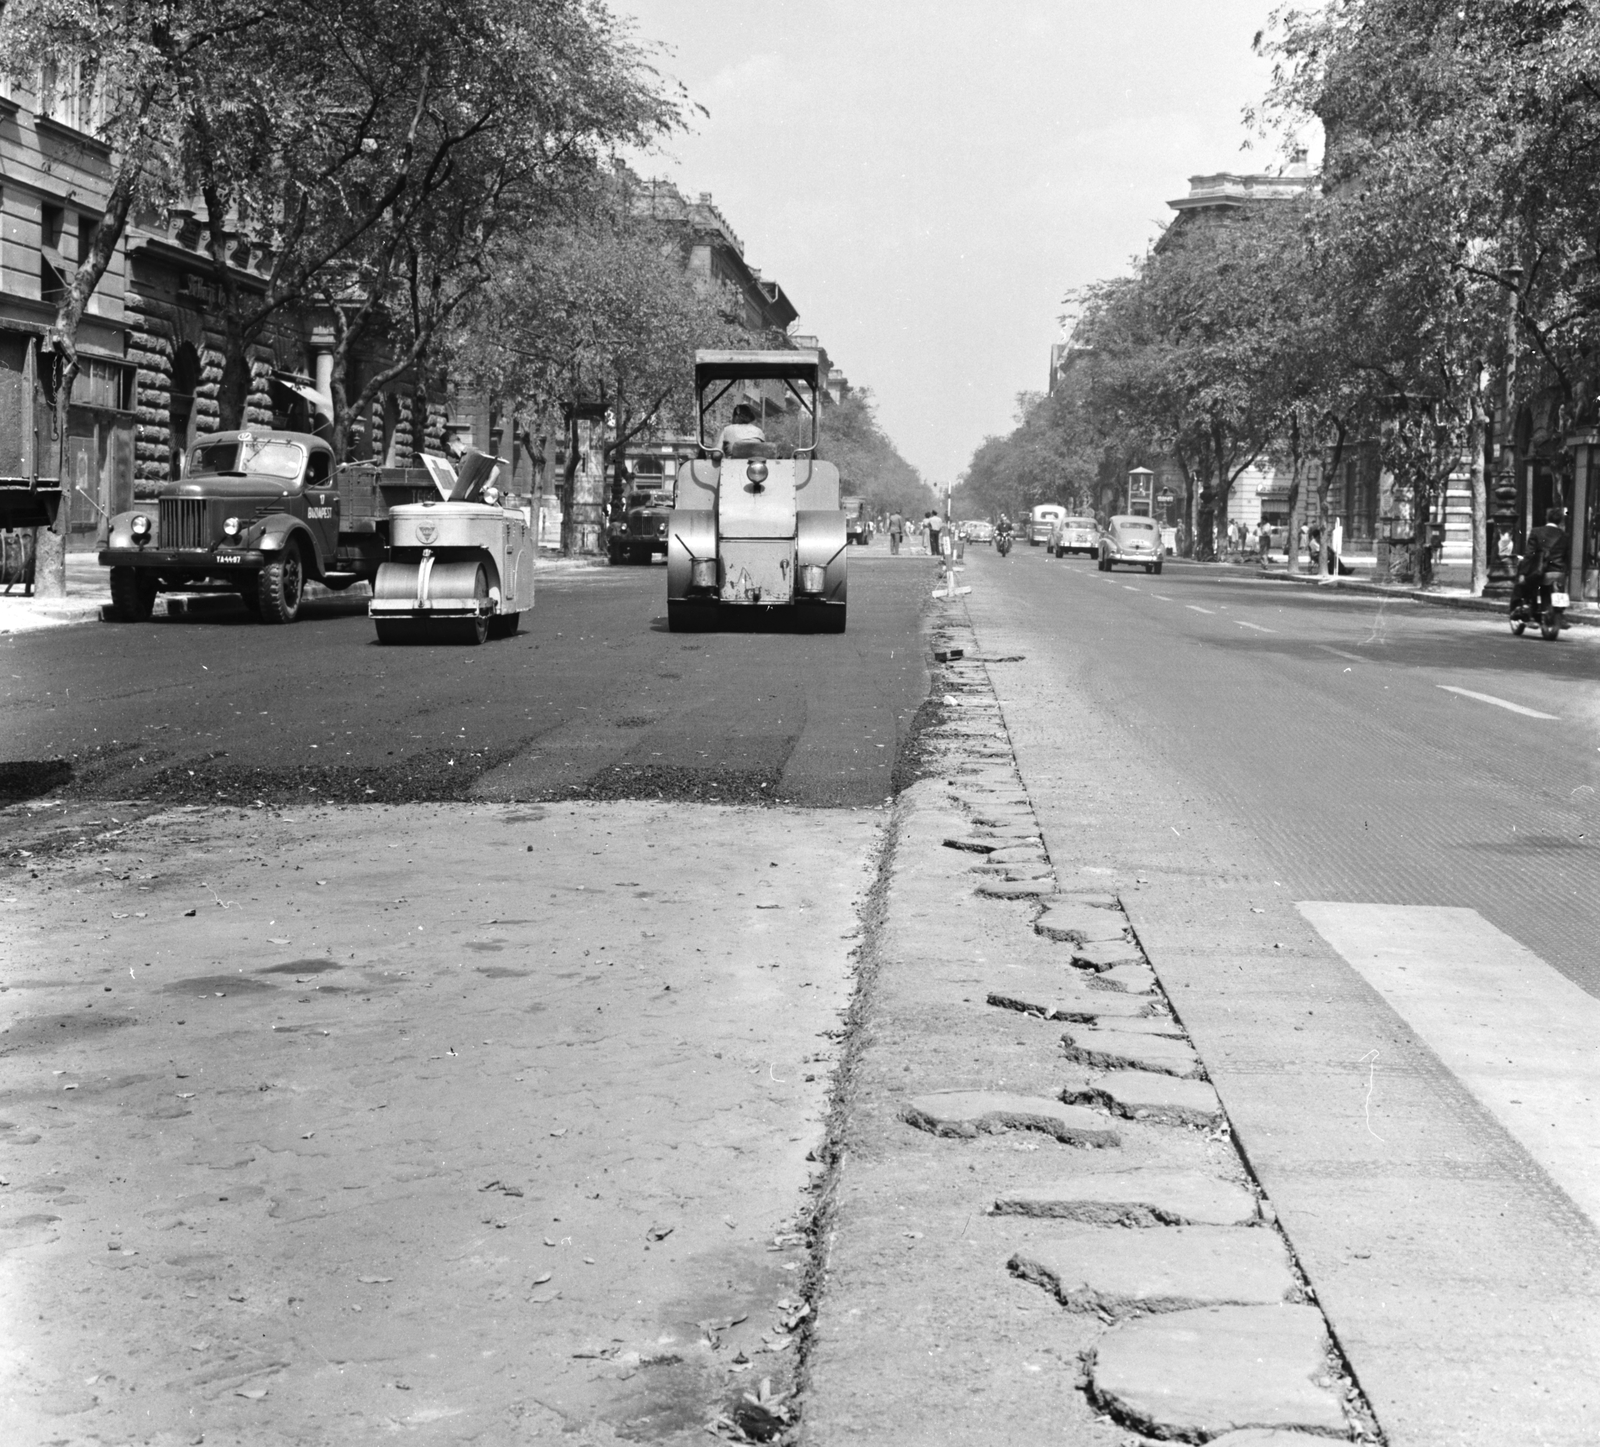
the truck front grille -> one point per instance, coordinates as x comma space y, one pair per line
183, 523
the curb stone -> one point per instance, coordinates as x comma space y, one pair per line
970, 1113
1178, 1268
1197, 1374
1145, 1198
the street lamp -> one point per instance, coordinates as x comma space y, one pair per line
1505, 480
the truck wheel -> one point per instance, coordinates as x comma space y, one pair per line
690, 615
133, 594
505, 625
279, 586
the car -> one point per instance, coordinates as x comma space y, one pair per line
977, 531
1042, 520
1075, 535
1132, 541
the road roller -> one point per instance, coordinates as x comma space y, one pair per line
460, 566
756, 527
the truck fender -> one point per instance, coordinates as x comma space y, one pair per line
820, 538
119, 531
275, 533
691, 534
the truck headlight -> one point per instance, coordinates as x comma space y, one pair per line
813, 576
703, 573
139, 526
757, 472
230, 527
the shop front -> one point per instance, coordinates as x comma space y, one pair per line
1583, 515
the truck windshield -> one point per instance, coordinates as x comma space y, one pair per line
264, 455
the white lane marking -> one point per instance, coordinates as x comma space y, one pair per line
1132, 589
1196, 608
1497, 702
1256, 626
1340, 653
1518, 1034
1161, 596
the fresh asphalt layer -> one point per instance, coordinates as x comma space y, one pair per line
594, 698
1313, 815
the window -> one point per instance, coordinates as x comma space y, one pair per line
87, 226
265, 455
102, 383
71, 95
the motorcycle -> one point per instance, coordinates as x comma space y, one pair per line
1002, 543
1548, 610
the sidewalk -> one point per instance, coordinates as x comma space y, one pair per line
1452, 594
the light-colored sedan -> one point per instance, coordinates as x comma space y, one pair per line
1130, 541
1075, 535
977, 531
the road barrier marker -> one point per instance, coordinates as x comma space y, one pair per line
1498, 702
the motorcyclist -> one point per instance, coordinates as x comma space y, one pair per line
1546, 552
1003, 533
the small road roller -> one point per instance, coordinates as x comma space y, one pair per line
460, 566
756, 527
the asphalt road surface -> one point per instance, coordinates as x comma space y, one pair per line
593, 699
1377, 750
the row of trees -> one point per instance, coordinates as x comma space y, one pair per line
1437, 298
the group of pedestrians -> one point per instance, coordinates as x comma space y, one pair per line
1238, 540
931, 526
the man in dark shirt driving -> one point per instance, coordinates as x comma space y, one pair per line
1547, 553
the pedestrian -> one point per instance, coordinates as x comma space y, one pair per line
935, 534
897, 530
1264, 541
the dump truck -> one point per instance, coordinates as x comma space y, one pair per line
753, 531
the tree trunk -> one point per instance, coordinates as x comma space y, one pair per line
61, 346
1297, 510
1480, 497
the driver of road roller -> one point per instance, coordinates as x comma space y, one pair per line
742, 437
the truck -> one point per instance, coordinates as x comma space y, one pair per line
1042, 522
753, 532
857, 524
640, 534
260, 512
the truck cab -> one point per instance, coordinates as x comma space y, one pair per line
256, 511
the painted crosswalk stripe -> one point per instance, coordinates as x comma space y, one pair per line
1256, 626
1518, 1034
1196, 608
1497, 702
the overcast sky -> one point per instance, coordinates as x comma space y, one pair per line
928, 179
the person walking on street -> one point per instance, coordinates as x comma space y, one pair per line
935, 532
897, 530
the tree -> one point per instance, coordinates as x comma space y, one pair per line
590, 318
142, 61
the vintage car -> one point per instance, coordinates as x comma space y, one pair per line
640, 534
976, 530
754, 532
1134, 541
1075, 535
1042, 521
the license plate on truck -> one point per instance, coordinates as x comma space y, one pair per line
1560, 600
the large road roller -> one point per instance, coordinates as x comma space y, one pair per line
756, 526
460, 566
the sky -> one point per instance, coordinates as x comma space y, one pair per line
929, 179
